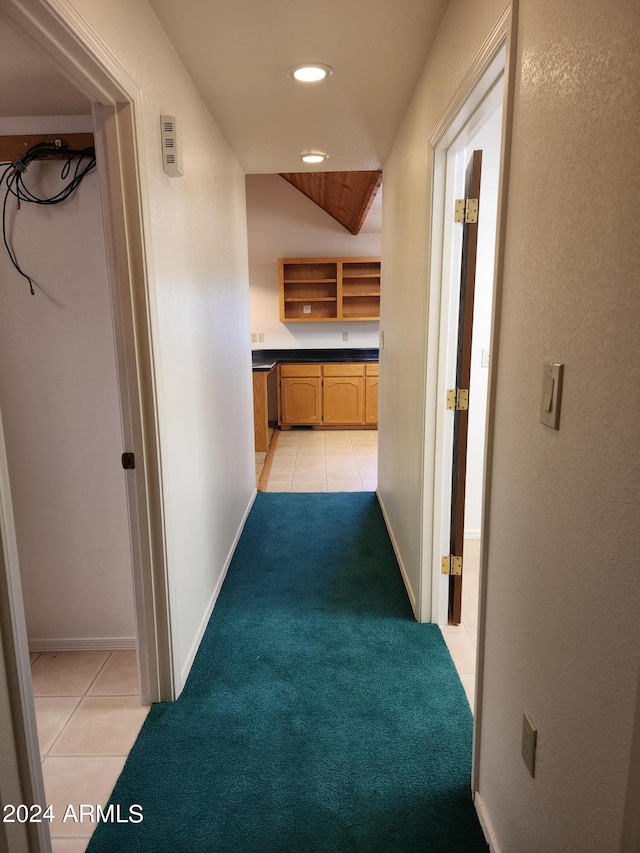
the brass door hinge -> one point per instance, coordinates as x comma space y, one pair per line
458, 399
451, 565
466, 210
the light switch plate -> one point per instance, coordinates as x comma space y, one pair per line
529, 742
551, 394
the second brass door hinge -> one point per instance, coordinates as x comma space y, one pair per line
458, 399
451, 565
466, 210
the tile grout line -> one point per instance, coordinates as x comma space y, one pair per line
71, 716
63, 727
119, 755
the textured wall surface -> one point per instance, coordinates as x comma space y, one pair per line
282, 223
563, 627
563, 590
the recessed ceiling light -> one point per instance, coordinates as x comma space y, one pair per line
310, 72
313, 157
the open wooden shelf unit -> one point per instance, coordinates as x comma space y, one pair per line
317, 290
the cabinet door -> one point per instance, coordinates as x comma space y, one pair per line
300, 400
371, 400
343, 400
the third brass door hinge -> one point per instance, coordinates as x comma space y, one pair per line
451, 565
458, 399
466, 210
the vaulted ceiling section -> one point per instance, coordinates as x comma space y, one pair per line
346, 196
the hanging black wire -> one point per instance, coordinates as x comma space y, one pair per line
13, 181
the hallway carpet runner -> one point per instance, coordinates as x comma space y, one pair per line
318, 716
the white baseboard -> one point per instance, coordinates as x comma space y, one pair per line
84, 644
403, 571
485, 823
195, 645
472, 534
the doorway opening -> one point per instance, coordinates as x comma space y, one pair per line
460, 607
117, 213
325, 438
475, 124
63, 437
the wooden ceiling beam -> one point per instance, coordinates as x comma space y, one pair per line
345, 196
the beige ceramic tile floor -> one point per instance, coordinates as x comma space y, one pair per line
325, 461
89, 714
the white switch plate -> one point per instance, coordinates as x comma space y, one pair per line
261, 337
484, 361
254, 338
529, 740
552, 374
345, 336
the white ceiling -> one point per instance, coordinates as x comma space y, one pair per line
31, 86
237, 53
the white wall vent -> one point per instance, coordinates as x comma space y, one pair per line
171, 147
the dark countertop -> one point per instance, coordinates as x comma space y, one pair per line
266, 359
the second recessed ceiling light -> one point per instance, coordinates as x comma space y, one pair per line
310, 72
313, 157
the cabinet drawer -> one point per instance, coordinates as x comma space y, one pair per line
287, 370
344, 369
372, 369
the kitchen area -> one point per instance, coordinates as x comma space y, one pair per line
315, 297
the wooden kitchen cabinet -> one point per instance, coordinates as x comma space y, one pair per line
300, 394
371, 394
343, 395
330, 395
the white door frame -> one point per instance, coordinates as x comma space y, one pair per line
19, 753
495, 58
450, 169
60, 33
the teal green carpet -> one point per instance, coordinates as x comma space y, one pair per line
318, 717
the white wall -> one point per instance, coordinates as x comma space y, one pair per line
197, 254
563, 591
283, 223
486, 139
60, 405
